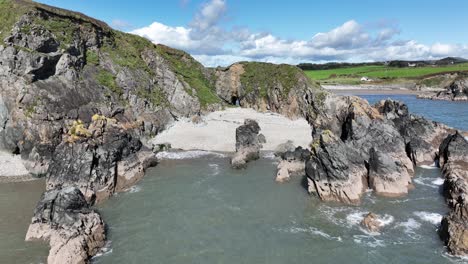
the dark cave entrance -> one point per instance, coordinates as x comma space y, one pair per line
235, 100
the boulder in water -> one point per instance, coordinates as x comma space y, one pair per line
248, 143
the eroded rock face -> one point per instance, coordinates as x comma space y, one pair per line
454, 161
63, 218
336, 172
100, 160
292, 163
248, 143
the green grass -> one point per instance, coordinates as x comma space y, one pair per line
10, 13
265, 76
191, 72
382, 72
92, 57
107, 79
125, 50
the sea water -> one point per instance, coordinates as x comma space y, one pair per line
199, 210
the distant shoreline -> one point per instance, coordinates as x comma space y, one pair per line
368, 89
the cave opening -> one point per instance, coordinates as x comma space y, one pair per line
235, 100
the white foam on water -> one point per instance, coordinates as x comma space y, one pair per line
133, 189
355, 218
433, 218
191, 154
429, 167
313, 231
269, 155
105, 250
438, 181
409, 225
386, 219
422, 181
369, 241
215, 168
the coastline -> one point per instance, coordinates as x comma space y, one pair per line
368, 89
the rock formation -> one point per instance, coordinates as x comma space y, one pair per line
248, 143
292, 163
371, 222
75, 232
358, 146
454, 161
455, 91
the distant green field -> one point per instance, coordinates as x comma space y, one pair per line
382, 72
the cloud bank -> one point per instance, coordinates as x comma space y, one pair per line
212, 45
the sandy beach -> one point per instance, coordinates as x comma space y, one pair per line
217, 131
12, 168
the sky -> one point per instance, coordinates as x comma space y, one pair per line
221, 32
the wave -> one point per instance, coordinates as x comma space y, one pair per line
438, 181
191, 154
215, 168
433, 218
269, 155
369, 241
105, 250
133, 189
409, 225
429, 182
433, 166
311, 230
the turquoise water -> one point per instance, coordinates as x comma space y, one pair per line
202, 211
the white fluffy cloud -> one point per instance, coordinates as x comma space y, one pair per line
213, 46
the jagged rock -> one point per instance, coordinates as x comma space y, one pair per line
456, 91
454, 161
422, 137
74, 232
387, 176
100, 160
248, 143
335, 171
292, 164
284, 147
371, 222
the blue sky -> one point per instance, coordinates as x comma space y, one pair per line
219, 32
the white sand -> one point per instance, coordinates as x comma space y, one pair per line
11, 165
218, 131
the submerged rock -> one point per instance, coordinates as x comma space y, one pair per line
74, 232
371, 222
248, 143
454, 161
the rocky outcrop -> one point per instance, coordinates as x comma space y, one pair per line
100, 159
283, 89
335, 171
454, 161
248, 144
455, 91
292, 163
372, 223
358, 146
63, 218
